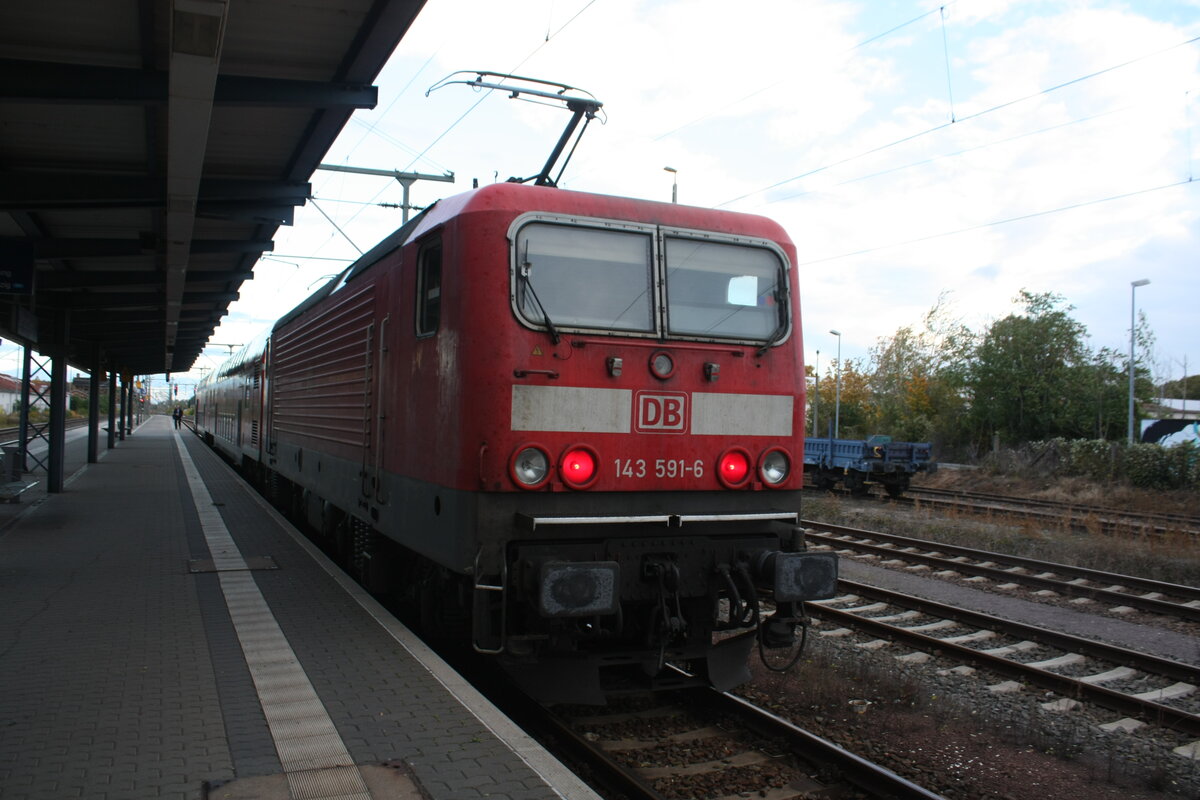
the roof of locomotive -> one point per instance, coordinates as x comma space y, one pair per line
517, 199
520, 198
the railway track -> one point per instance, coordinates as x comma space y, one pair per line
1141, 687
1076, 517
9, 435
1009, 572
703, 743
689, 742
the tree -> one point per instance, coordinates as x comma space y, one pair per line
857, 418
1032, 375
918, 378
1106, 394
1185, 388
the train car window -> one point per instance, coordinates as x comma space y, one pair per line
723, 290
429, 288
577, 277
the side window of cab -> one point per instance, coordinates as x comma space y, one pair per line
429, 287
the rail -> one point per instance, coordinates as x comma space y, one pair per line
9, 435
634, 766
1000, 662
1077, 517
954, 558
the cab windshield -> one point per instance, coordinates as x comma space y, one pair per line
568, 277
585, 278
724, 290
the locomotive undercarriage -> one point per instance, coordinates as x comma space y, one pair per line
621, 600
574, 606
656, 600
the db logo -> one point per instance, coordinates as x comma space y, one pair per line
661, 412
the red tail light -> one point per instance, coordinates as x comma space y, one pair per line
733, 467
578, 467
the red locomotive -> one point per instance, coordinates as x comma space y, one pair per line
564, 425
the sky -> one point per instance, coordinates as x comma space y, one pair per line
912, 150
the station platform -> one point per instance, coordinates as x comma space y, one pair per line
166, 634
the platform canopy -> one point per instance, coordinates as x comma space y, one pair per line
149, 150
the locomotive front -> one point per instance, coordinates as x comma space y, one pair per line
641, 470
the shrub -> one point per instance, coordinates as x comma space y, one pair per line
1093, 458
1146, 466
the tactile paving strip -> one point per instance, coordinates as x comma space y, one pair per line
311, 750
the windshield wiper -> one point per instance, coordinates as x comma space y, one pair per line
777, 334
526, 266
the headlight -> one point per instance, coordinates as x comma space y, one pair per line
662, 366
775, 467
530, 467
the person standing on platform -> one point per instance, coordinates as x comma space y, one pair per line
177, 415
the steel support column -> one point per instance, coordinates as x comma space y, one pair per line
112, 410
93, 446
35, 392
124, 410
58, 420
58, 405
23, 421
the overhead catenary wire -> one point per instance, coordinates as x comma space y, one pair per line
946, 53
282, 258
994, 223
488, 93
956, 153
313, 200
781, 81
372, 127
976, 115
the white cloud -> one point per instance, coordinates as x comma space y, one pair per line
741, 98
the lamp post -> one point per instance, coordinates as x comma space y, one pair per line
837, 398
674, 183
816, 393
1132, 330
1185, 387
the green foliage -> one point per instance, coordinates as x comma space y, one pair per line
1185, 388
1027, 377
1146, 466
917, 382
1028, 372
1152, 466
1097, 459
856, 411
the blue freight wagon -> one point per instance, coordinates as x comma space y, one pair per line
858, 463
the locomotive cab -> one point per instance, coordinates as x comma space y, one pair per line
653, 376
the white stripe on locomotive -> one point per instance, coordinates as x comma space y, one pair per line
587, 410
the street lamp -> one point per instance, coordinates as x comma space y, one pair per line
837, 397
816, 393
674, 183
1132, 329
